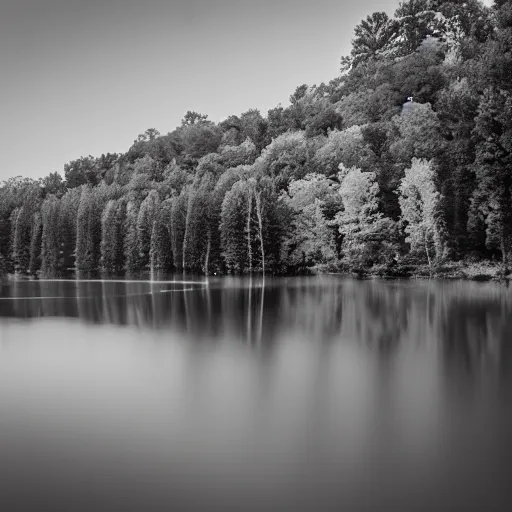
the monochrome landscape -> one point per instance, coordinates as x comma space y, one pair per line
306, 307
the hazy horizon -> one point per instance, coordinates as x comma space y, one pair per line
87, 77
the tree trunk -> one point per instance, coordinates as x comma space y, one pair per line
207, 257
187, 231
503, 246
249, 213
428, 252
152, 248
259, 213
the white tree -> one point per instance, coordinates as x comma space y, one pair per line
311, 238
366, 231
420, 205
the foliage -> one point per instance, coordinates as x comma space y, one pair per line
35, 243
347, 147
368, 236
112, 236
197, 237
285, 158
415, 133
421, 216
131, 243
233, 227
418, 129
88, 228
22, 227
51, 237
491, 202
311, 239
178, 226
146, 219
375, 37
161, 255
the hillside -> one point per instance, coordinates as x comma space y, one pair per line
403, 161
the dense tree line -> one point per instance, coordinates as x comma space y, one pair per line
405, 157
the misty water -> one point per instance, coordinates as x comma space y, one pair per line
318, 393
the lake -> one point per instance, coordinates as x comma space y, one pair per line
316, 393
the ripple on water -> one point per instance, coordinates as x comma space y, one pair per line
192, 286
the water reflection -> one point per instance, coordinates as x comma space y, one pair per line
469, 323
318, 393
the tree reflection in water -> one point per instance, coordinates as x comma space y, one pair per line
299, 386
469, 324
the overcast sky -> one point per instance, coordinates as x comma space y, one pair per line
86, 77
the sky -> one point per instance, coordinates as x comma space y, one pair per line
86, 77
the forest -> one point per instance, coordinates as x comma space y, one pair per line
402, 162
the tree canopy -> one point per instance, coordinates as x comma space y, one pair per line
406, 154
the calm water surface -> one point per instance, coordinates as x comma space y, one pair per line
316, 394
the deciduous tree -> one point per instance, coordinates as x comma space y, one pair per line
421, 214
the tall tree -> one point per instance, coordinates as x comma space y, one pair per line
178, 226
368, 236
36, 233
112, 236
88, 229
421, 213
22, 228
233, 227
226, 181
197, 237
131, 244
273, 221
161, 254
311, 240
70, 204
416, 21
12, 196
51, 237
148, 215
491, 202
375, 37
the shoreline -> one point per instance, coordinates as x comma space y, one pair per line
479, 272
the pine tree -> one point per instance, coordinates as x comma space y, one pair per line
233, 226
68, 226
131, 245
197, 236
161, 254
376, 37
84, 231
148, 214
22, 229
88, 238
112, 236
216, 260
491, 202
51, 237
